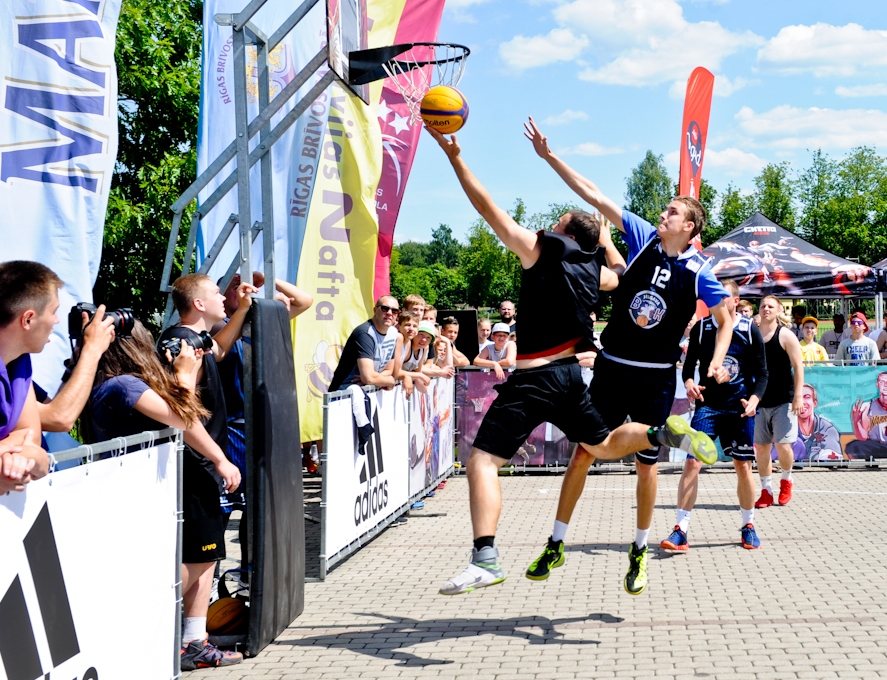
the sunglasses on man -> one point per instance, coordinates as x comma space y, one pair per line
386, 309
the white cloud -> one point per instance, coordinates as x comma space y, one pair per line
825, 50
787, 128
462, 4
559, 44
877, 90
724, 87
733, 161
590, 149
567, 116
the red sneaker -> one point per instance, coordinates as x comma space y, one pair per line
766, 499
785, 491
309, 465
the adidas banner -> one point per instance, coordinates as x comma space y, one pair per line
431, 435
89, 571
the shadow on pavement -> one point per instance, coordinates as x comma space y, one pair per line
386, 640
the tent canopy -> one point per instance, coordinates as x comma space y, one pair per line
765, 259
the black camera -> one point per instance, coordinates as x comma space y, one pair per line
124, 321
202, 340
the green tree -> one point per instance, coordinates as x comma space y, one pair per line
158, 67
774, 195
548, 218
649, 188
731, 210
444, 248
414, 254
815, 191
486, 268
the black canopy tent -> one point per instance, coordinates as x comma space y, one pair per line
765, 259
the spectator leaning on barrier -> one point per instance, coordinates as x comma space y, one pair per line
410, 354
501, 354
798, 314
507, 313
831, 339
415, 303
810, 349
430, 314
29, 303
201, 306
484, 328
449, 329
858, 349
368, 355
133, 392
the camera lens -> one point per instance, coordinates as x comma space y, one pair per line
124, 321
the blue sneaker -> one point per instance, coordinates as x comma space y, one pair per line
750, 540
676, 542
418, 505
430, 494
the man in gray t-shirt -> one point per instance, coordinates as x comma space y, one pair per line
367, 358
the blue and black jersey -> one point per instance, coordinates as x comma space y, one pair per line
656, 298
746, 362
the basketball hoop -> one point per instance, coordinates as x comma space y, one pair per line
478, 403
413, 68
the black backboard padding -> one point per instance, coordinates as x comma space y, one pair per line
274, 463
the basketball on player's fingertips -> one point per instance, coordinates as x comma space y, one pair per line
444, 109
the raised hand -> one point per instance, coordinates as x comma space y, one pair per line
540, 141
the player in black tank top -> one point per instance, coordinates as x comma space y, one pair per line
562, 274
777, 419
635, 376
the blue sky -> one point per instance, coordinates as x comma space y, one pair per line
606, 78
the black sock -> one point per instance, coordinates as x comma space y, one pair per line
651, 436
483, 542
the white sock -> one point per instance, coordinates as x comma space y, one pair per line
640, 537
786, 475
767, 483
684, 519
559, 533
195, 628
748, 516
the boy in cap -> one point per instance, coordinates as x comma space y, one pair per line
858, 349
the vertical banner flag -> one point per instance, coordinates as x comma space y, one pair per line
58, 143
293, 156
694, 132
364, 159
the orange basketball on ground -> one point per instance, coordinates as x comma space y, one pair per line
227, 616
444, 109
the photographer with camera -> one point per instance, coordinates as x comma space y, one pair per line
91, 331
29, 305
201, 306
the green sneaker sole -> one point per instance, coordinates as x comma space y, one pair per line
702, 445
633, 592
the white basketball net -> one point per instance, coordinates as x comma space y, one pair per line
422, 67
478, 404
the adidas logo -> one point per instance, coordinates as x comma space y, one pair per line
18, 637
375, 497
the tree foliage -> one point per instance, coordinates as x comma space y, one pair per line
648, 189
774, 195
158, 67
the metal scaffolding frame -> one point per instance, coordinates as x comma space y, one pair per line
245, 33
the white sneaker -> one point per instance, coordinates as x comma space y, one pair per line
482, 571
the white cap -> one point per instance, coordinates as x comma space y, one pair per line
428, 327
501, 328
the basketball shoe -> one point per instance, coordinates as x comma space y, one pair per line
201, 654
766, 499
676, 542
551, 558
636, 579
678, 434
482, 571
750, 540
785, 491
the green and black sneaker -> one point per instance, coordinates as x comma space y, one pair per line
551, 558
636, 579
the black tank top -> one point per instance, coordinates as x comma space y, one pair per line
557, 296
781, 382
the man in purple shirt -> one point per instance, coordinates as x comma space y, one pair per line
28, 310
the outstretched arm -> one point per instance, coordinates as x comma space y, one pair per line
520, 241
584, 188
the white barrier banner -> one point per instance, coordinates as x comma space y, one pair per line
88, 571
363, 488
431, 434
58, 144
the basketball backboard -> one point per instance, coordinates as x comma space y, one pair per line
347, 32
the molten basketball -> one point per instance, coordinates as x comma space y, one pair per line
444, 109
227, 616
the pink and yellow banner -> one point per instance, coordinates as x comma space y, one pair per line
365, 157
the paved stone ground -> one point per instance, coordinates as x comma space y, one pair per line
812, 603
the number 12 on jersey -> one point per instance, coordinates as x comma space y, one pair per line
660, 277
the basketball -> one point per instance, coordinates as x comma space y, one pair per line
444, 109
226, 616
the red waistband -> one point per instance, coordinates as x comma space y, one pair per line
552, 351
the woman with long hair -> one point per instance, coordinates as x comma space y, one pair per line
134, 392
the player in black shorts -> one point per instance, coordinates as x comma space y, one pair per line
635, 375
725, 410
562, 272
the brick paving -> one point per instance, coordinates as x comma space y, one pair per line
812, 603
